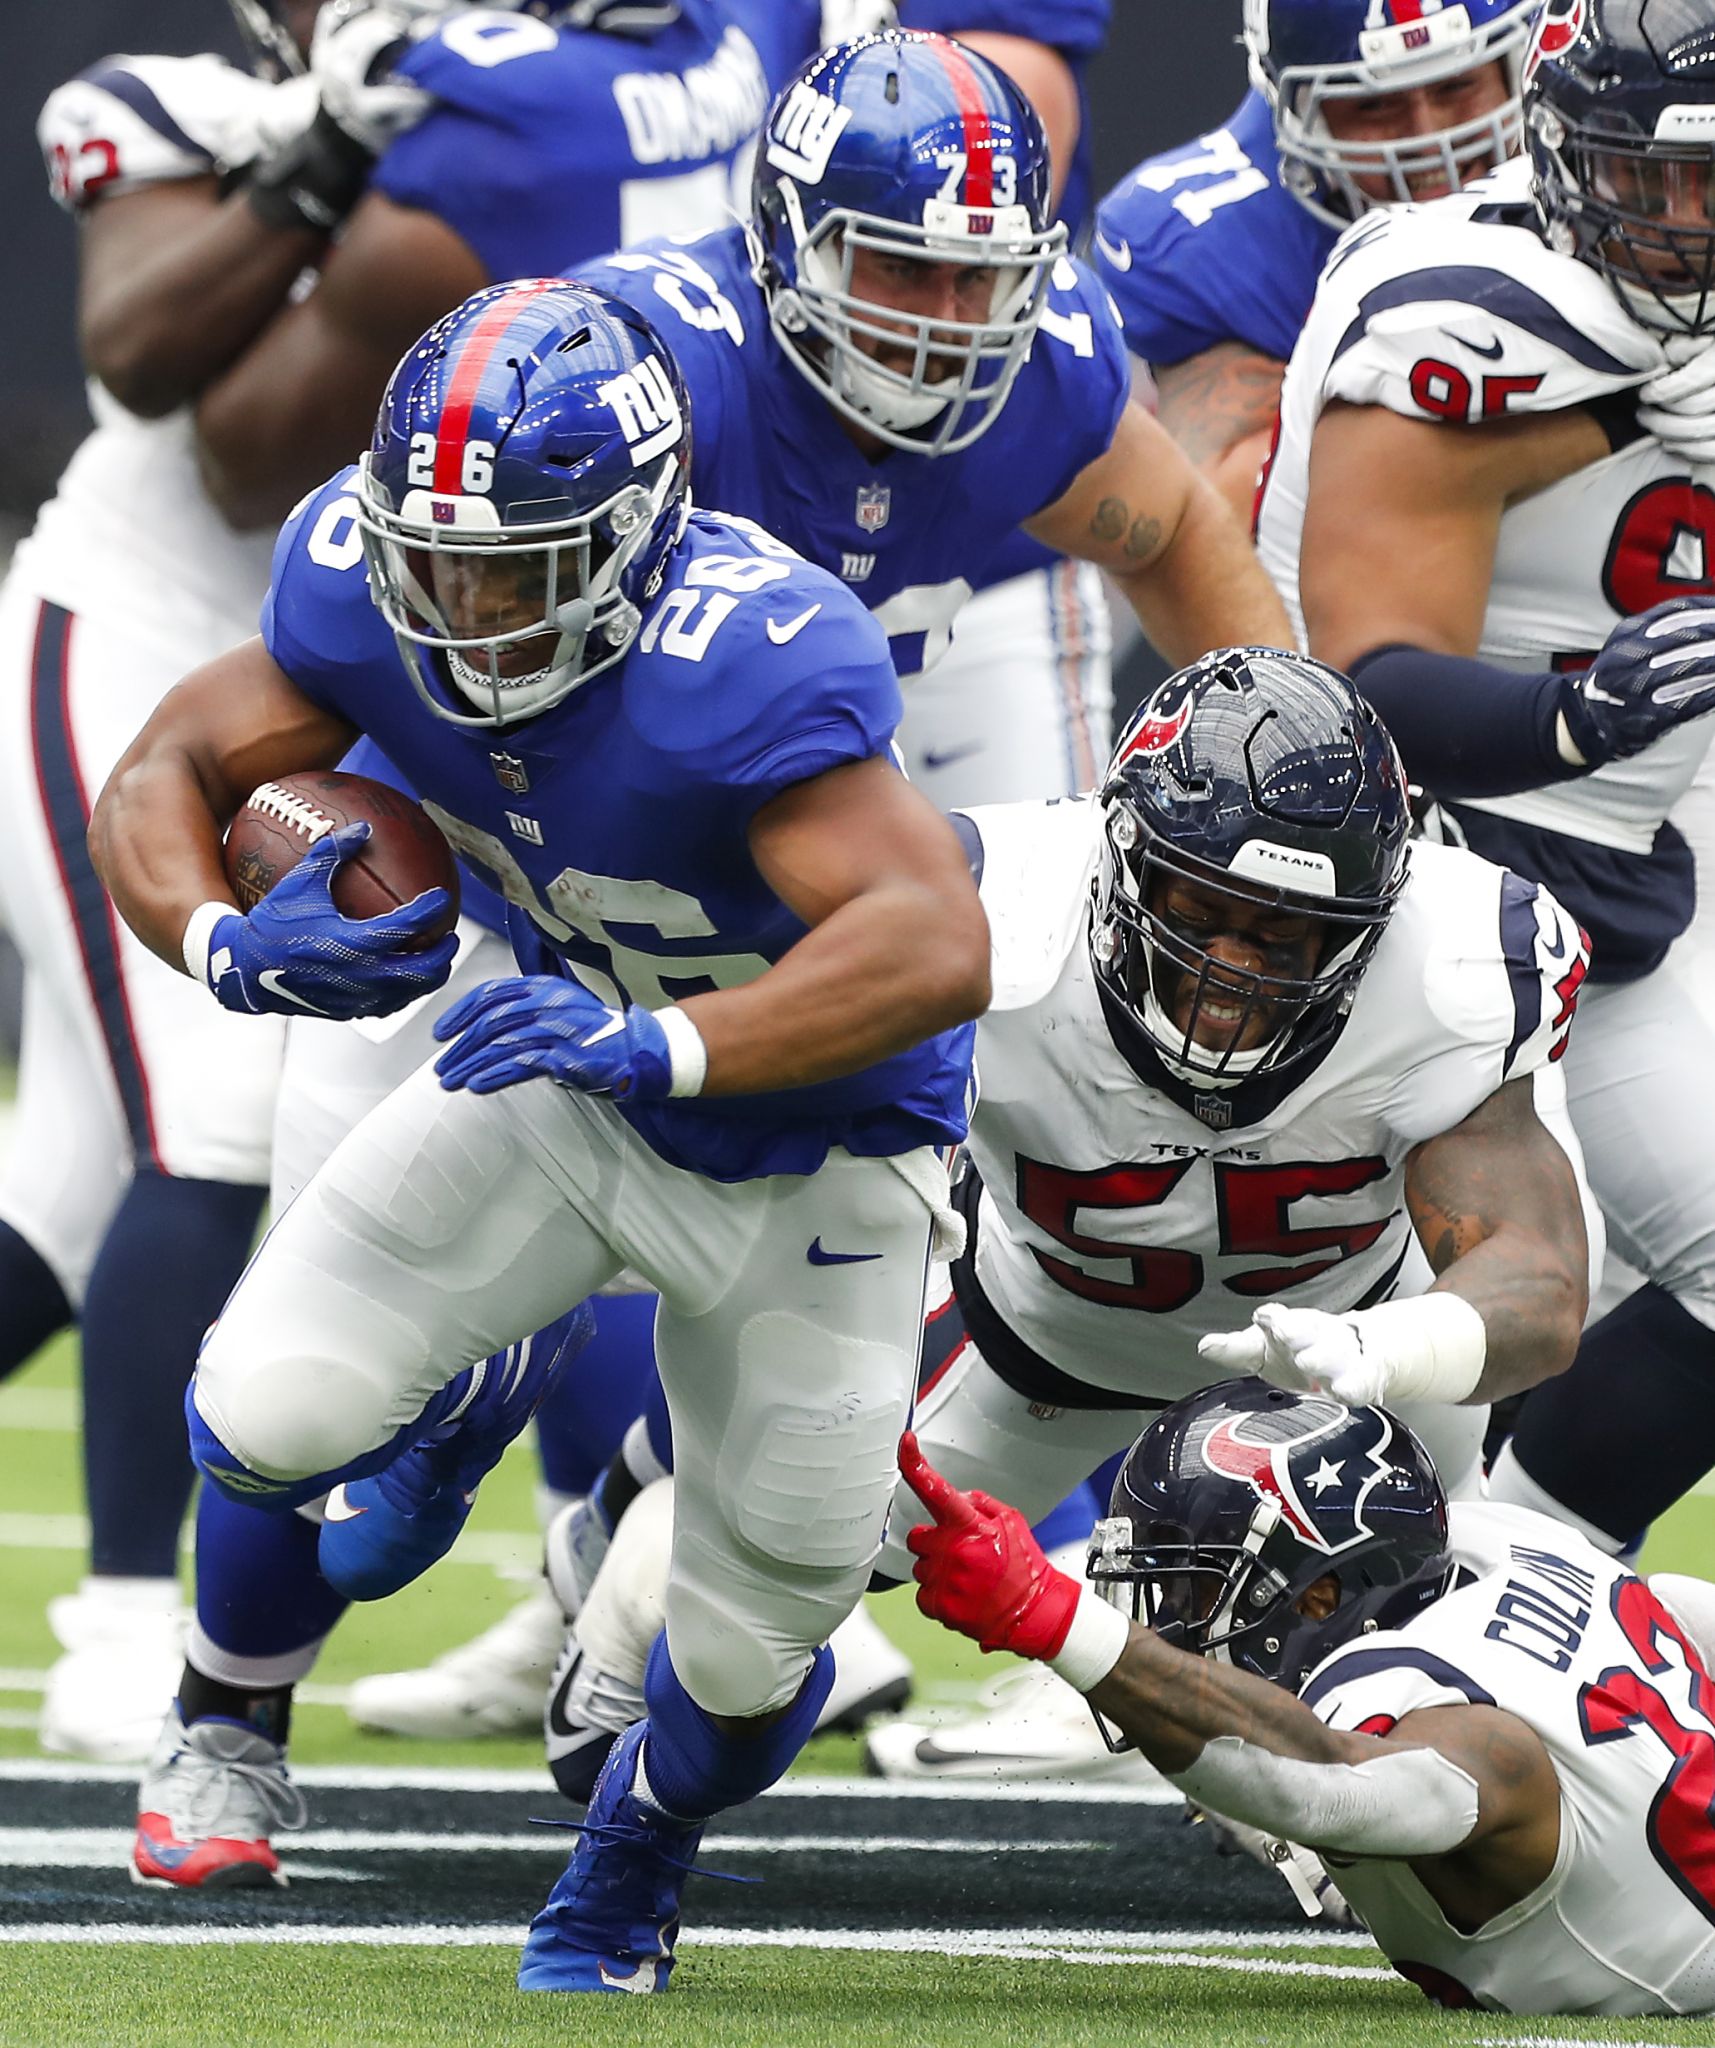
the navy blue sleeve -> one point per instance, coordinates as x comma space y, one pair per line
1466, 728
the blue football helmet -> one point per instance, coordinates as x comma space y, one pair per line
1264, 780
906, 151
1620, 122
1235, 1501
527, 482
1306, 53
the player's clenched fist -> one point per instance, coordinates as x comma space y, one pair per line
981, 1571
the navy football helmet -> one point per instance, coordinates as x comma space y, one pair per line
526, 484
1264, 780
907, 152
1620, 121
1306, 53
1234, 1502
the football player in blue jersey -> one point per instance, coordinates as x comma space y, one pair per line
1212, 250
752, 952
427, 149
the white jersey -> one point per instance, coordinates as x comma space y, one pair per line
1117, 1226
130, 537
1459, 311
1551, 1630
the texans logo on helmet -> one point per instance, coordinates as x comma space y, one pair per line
1253, 1449
1558, 27
1160, 724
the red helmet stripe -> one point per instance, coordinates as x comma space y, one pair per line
1407, 10
480, 345
979, 130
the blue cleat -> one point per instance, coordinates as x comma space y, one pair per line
611, 1921
379, 1534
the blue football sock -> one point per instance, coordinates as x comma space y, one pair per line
33, 1306
693, 1769
259, 1592
168, 1262
583, 1418
1071, 1521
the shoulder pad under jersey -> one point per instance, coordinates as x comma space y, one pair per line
1460, 311
133, 121
1033, 876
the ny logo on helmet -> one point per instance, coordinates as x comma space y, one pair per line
647, 409
1269, 1452
804, 133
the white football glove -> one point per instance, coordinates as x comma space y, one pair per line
1304, 1871
1428, 1348
351, 61
1677, 405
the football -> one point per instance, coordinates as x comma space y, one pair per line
282, 820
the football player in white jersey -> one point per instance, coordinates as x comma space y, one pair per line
1500, 1738
400, 177
1254, 1084
1530, 619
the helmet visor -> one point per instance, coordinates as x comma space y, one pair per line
1651, 218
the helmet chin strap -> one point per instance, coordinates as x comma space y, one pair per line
1161, 1027
574, 621
886, 399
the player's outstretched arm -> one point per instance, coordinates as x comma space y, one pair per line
1143, 513
1219, 406
155, 832
1468, 1793
301, 400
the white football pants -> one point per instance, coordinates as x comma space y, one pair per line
1021, 705
126, 1063
449, 1224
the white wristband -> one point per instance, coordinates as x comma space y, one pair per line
1094, 1643
686, 1050
1565, 745
199, 934
1432, 1345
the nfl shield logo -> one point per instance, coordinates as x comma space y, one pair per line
1214, 1110
874, 506
510, 773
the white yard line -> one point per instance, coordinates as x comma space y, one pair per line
450, 1778
58, 1410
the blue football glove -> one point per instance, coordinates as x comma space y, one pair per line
295, 955
537, 1027
1655, 672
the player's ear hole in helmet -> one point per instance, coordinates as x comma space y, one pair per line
1267, 1528
527, 482
903, 235
1376, 102
1254, 824
1620, 124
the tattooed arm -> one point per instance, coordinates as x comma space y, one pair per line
1142, 513
1220, 406
1495, 1205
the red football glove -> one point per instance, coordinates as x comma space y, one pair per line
980, 1570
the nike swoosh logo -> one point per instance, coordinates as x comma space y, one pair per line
818, 1257
272, 979
557, 1721
615, 1023
1117, 253
780, 634
946, 756
930, 1752
1493, 353
338, 1509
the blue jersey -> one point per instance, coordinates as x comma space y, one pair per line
1204, 244
547, 144
616, 823
911, 535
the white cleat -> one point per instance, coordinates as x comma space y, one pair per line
493, 1685
213, 1796
124, 1642
871, 1675
1033, 1729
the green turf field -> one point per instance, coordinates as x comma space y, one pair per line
879, 1918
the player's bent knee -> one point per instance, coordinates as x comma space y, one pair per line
734, 1663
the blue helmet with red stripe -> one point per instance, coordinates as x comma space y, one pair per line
1235, 1502
527, 481
1309, 55
1254, 826
904, 234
